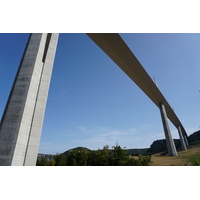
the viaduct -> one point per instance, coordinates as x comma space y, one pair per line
22, 120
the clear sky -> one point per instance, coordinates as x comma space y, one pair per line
93, 103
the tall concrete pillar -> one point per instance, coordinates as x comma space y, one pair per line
22, 120
170, 142
186, 140
183, 145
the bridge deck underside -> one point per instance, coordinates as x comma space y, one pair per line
114, 46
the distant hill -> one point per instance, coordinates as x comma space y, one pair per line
128, 151
77, 148
47, 156
194, 138
161, 146
157, 146
137, 151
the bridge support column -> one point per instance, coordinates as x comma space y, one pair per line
169, 140
22, 120
183, 144
186, 140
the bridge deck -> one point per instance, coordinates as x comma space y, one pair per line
115, 47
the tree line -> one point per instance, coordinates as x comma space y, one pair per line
101, 157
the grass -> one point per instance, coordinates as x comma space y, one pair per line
189, 157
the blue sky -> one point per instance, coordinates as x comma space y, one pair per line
92, 102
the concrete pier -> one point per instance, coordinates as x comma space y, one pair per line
22, 120
183, 144
169, 140
186, 140
21, 123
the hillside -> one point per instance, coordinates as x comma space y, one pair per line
137, 151
128, 151
157, 147
194, 138
189, 157
77, 148
184, 158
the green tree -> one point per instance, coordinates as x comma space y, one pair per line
101, 157
82, 158
52, 162
144, 160
42, 162
72, 158
119, 156
78, 157
60, 160
132, 162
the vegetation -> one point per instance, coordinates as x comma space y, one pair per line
190, 157
194, 138
159, 146
102, 157
137, 152
44, 161
156, 155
